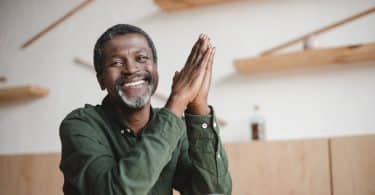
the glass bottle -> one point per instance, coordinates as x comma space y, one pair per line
257, 124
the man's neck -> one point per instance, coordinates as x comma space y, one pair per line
136, 119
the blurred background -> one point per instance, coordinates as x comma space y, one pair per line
305, 101
327, 101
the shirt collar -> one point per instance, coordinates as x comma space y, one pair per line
120, 125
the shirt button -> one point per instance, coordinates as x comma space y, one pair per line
218, 156
214, 124
128, 130
204, 125
122, 131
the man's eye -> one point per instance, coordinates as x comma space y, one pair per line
142, 58
117, 63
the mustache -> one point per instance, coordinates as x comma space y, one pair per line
139, 76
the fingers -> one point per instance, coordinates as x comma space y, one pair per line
194, 50
196, 55
206, 57
207, 78
202, 67
205, 65
195, 76
208, 74
201, 50
197, 51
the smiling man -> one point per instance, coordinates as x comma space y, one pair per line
124, 146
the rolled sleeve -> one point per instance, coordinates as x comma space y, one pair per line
207, 153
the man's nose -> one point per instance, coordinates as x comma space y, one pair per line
130, 67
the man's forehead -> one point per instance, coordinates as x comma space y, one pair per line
131, 41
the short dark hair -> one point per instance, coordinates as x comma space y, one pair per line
119, 29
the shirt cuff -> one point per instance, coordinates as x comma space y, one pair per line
202, 128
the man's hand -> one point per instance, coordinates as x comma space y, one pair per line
199, 105
188, 82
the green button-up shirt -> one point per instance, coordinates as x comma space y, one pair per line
102, 156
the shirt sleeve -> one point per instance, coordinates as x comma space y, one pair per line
90, 167
203, 166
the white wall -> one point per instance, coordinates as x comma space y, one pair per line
333, 101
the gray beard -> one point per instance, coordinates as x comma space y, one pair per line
135, 102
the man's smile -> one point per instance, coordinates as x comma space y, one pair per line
135, 87
135, 84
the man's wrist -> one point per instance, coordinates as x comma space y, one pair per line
198, 109
176, 105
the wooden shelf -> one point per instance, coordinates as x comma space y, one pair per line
22, 93
172, 5
307, 58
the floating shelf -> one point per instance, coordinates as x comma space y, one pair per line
306, 58
22, 93
172, 5
269, 61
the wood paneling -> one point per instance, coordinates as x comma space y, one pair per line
36, 174
280, 167
300, 167
353, 165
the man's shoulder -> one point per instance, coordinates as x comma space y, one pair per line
87, 121
87, 115
87, 111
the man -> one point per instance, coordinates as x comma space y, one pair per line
125, 146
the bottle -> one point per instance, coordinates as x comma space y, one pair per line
257, 125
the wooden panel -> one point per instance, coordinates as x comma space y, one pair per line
282, 167
307, 58
257, 168
22, 92
353, 165
30, 174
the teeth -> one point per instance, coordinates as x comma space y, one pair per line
135, 83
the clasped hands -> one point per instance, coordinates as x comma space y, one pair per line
191, 84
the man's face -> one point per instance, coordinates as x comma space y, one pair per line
130, 74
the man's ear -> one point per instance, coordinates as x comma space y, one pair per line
100, 79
